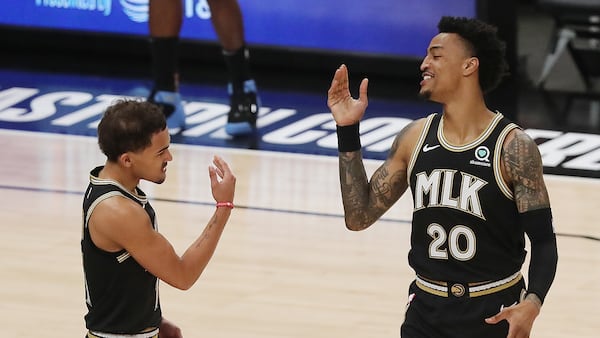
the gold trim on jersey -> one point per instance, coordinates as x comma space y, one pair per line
97, 201
444, 289
504, 187
101, 181
486, 133
123, 257
418, 146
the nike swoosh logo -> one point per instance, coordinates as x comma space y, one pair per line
427, 148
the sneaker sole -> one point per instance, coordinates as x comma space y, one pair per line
239, 128
176, 123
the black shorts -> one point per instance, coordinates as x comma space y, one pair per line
433, 316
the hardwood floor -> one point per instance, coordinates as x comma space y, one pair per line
285, 267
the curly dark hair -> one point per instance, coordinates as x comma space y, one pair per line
481, 38
128, 125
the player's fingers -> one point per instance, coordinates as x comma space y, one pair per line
364, 84
224, 167
335, 79
212, 174
337, 83
496, 318
219, 165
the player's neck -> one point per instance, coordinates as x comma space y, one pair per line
466, 119
112, 171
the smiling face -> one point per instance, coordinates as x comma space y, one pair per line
444, 66
151, 163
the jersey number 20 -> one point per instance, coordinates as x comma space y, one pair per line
460, 251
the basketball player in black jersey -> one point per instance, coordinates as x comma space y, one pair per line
477, 185
124, 255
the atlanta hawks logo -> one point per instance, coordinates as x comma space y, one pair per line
458, 290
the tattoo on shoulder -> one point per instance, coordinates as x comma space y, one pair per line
400, 138
395, 145
523, 164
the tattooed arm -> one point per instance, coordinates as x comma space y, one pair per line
365, 201
522, 166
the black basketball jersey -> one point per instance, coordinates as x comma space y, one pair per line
121, 296
465, 225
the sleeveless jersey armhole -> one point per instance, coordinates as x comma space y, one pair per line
97, 201
418, 146
502, 184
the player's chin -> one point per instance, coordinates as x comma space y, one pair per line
425, 94
160, 178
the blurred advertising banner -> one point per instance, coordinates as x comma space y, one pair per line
378, 27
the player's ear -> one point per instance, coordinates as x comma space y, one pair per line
125, 159
470, 65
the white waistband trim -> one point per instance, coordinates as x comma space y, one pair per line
472, 289
494, 284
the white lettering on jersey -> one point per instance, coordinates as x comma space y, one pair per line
437, 187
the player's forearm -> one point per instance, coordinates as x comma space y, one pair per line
542, 268
355, 190
353, 178
544, 253
197, 256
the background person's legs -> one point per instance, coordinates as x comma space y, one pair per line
228, 23
165, 18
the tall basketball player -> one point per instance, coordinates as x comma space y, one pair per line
477, 185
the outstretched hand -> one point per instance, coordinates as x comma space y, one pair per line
346, 110
222, 180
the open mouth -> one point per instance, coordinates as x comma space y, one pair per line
426, 76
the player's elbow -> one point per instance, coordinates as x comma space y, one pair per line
352, 227
356, 225
185, 287
182, 282
181, 285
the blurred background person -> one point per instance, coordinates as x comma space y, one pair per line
165, 20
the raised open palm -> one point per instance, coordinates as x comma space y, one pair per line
346, 110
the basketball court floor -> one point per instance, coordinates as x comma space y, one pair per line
286, 266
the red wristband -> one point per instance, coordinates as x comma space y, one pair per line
225, 204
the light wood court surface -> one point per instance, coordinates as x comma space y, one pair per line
285, 267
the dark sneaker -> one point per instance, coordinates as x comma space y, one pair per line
243, 112
170, 103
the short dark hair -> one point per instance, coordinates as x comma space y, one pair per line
484, 43
128, 125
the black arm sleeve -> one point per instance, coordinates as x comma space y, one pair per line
544, 253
